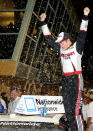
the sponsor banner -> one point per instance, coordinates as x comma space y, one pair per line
30, 105
17, 123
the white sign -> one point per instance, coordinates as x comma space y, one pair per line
30, 105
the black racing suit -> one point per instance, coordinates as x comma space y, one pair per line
72, 81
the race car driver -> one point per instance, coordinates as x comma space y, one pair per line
72, 80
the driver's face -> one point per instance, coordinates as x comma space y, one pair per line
65, 44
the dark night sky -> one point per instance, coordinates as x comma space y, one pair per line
88, 51
79, 6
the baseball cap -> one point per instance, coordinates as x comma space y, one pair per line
63, 36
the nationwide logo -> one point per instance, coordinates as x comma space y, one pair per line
30, 104
49, 102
